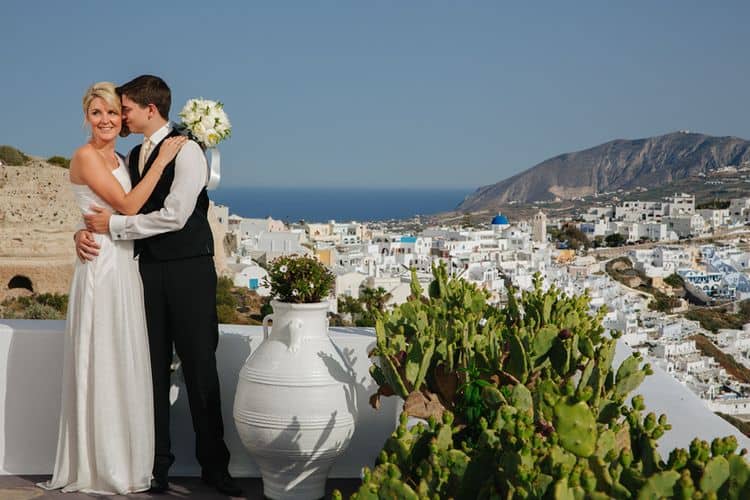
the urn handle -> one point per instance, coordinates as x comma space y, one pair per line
265, 325
296, 333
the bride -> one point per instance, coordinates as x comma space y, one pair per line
106, 434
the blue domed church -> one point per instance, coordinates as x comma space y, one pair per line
500, 223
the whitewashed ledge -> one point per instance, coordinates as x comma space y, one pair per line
31, 364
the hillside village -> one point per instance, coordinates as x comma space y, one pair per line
696, 258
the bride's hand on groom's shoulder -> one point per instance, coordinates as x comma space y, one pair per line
169, 149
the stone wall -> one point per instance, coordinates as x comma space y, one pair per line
38, 216
43, 277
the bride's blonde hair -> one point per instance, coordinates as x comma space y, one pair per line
103, 90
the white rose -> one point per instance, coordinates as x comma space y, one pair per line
190, 117
207, 122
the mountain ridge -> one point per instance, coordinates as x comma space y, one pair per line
615, 164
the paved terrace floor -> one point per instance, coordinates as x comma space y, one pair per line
24, 488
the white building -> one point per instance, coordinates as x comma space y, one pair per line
486, 276
275, 244
739, 209
714, 217
639, 211
635, 339
398, 287
398, 252
349, 284
583, 266
734, 340
349, 233
222, 214
596, 228
660, 261
670, 330
253, 277
679, 205
671, 258
655, 231
248, 227
233, 223
676, 348
626, 321
729, 405
709, 283
352, 258
685, 226
599, 213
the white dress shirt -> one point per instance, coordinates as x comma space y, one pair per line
190, 177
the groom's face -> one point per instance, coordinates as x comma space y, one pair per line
135, 116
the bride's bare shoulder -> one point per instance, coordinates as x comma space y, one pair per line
84, 151
84, 162
85, 155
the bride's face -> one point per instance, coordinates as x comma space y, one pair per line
105, 120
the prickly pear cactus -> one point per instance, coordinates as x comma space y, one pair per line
523, 402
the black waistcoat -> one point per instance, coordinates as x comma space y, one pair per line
194, 239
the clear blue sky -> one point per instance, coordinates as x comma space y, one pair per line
386, 93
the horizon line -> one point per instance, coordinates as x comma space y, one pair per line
354, 188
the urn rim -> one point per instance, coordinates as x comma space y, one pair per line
308, 306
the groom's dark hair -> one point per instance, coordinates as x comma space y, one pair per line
148, 89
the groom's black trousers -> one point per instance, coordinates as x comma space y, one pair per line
180, 300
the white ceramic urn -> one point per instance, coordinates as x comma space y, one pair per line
295, 405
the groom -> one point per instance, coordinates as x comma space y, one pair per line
174, 246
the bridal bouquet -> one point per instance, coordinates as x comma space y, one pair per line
206, 121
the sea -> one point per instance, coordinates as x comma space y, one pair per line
340, 204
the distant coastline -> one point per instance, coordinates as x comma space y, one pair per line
341, 204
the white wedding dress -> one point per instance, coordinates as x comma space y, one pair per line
106, 435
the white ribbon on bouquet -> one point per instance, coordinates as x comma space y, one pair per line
214, 168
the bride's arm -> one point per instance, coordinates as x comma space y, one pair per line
98, 176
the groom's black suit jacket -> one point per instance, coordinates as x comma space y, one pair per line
194, 239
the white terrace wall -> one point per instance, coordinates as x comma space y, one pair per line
30, 382
31, 364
